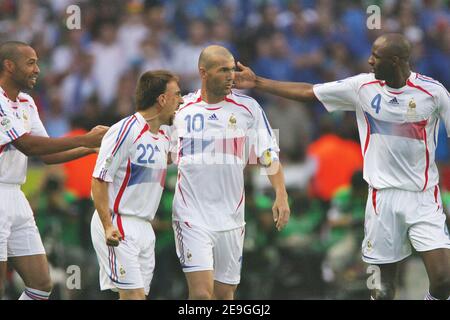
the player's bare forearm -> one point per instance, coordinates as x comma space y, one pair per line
37, 146
299, 91
280, 209
101, 201
276, 177
247, 79
66, 156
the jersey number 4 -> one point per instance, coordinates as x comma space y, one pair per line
376, 103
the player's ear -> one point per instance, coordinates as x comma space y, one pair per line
395, 60
162, 99
8, 65
202, 72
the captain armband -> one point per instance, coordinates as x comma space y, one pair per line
268, 157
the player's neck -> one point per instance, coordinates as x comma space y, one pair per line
210, 98
152, 119
11, 90
399, 79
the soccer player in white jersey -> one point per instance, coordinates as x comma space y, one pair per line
398, 113
127, 185
213, 128
21, 135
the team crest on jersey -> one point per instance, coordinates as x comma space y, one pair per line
6, 123
232, 122
411, 113
108, 161
122, 271
369, 245
189, 255
24, 115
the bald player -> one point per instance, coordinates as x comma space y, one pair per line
21, 135
214, 127
398, 113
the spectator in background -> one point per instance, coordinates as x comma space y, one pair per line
77, 181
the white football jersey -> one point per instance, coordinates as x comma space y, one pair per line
134, 161
16, 119
397, 127
213, 145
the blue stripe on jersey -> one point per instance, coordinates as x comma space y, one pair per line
12, 139
433, 82
413, 130
15, 132
140, 174
266, 122
243, 96
125, 136
2, 113
121, 128
191, 146
187, 267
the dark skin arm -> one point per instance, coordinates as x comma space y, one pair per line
66, 156
37, 146
300, 91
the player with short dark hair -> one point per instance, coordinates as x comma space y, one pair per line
22, 134
398, 113
127, 185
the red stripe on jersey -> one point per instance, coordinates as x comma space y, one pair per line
240, 201
164, 134
427, 156
374, 199
23, 100
191, 103
122, 187
119, 225
238, 104
123, 133
144, 130
211, 109
367, 135
436, 193
381, 83
396, 92
412, 85
179, 188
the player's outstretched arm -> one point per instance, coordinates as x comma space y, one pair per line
280, 209
66, 156
101, 202
36, 146
247, 79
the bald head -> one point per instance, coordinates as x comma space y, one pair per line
10, 50
211, 55
393, 44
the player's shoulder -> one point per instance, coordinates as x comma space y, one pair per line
434, 87
191, 98
362, 79
243, 100
124, 127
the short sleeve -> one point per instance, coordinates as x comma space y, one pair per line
37, 127
339, 95
114, 150
262, 137
11, 127
444, 109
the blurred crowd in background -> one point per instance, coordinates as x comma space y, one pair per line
88, 77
